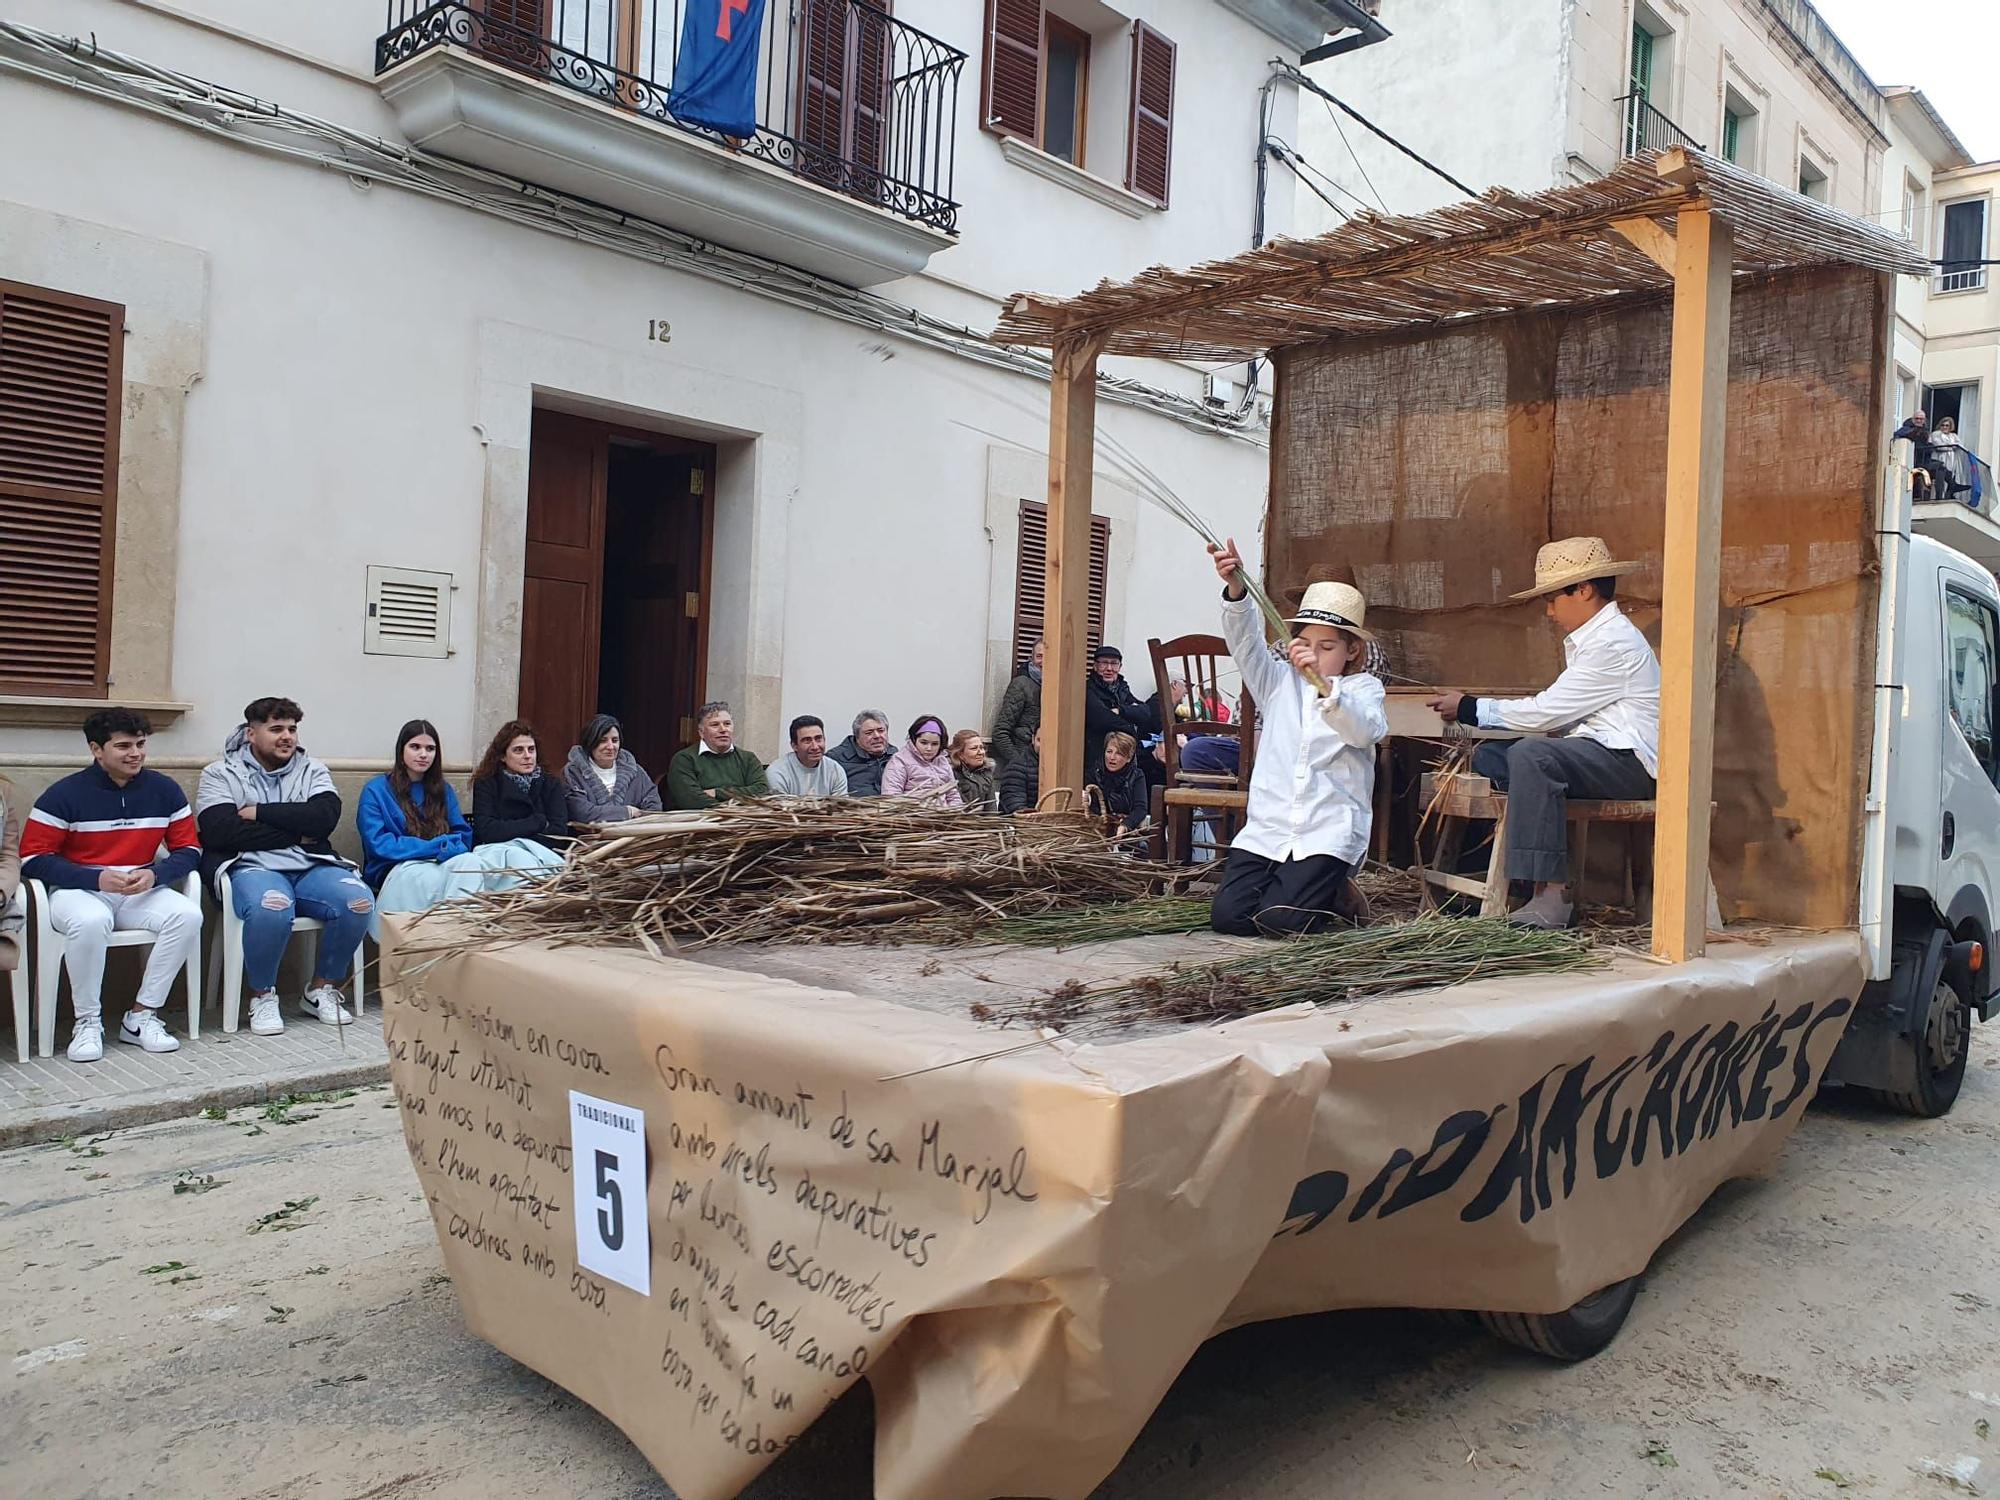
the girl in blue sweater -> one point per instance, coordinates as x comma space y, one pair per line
417, 848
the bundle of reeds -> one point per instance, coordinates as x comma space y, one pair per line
797, 870
1349, 964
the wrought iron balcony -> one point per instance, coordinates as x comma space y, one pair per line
1646, 129
849, 97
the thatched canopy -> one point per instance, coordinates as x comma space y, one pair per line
1503, 253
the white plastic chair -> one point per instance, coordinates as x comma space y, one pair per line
50, 945
18, 980
226, 964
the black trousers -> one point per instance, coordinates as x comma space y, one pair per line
1539, 777
1262, 897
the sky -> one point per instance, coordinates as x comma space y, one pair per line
1948, 48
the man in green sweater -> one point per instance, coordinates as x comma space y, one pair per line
713, 769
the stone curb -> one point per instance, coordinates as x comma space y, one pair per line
30, 1127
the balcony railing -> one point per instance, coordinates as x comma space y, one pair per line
1955, 276
1955, 473
849, 97
1646, 129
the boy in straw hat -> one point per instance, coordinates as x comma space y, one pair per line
1312, 790
1601, 716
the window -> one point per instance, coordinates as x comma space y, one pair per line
61, 381
1031, 561
1739, 129
1036, 87
1960, 403
1732, 136
1906, 394
1646, 126
1066, 91
1813, 181
1963, 246
1642, 61
1970, 636
1913, 210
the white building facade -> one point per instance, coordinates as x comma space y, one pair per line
454, 377
1535, 94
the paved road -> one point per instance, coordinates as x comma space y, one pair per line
1832, 1329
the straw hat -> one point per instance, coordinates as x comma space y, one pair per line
1337, 604
1574, 559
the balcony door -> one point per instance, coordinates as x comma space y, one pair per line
845, 61
614, 598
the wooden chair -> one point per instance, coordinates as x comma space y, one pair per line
1198, 659
1472, 799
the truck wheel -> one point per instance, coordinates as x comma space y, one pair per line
1941, 1054
1576, 1334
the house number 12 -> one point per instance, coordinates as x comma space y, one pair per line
659, 331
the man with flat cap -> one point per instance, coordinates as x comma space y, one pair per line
1110, 707
1596, 728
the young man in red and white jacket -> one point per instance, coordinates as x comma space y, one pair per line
111, 843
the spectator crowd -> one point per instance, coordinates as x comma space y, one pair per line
117, 847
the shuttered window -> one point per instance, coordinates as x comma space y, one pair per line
61, 367
1031, 573
1149, 136
1012, 103
515, 37
844, 59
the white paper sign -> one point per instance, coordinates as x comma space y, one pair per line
608, 1166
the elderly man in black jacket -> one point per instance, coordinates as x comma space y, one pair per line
1110, 707
865, 753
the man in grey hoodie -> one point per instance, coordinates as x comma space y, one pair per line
265, 813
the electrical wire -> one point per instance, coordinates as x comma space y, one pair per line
1352, 154
1305, 81
1297, 163
275, 130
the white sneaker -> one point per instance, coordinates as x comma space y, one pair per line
322, 1003
264, 1017
143, 1029
86, 1043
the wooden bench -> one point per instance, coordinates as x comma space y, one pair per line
1468, 799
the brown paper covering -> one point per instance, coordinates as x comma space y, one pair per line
1020, 1254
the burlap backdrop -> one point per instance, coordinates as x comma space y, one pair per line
1429, 469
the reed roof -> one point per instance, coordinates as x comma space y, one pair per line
1499, 254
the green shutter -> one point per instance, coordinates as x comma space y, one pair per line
1642, 60
1731, 125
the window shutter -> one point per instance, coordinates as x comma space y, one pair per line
409, 613
868, 130
822, 88
61, 380
1013, 84
516, 36
1031, 576
1149, 135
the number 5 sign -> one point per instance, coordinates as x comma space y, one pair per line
608, 1166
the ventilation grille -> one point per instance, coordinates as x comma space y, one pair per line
409, 613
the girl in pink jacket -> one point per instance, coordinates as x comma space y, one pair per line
921, 768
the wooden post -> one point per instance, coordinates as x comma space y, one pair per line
1690, 583
1066, 597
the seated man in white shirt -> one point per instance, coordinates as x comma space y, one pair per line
1600, 721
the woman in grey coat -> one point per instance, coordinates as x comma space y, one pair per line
1020, 711
603, 782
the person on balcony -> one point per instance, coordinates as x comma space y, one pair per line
1596, 727
112, 843
1928, 480
602, 780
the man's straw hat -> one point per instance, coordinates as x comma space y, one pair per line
1337, 604
1574, 559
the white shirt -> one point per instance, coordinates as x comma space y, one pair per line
606, 774
1312, 786
1608, 692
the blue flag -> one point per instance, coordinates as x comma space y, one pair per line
715, 76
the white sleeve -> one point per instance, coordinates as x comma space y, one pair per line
1585, 687
1357, 709
1243, 629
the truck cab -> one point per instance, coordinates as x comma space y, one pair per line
1909, 1037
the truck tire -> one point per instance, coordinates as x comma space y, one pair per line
1573, 1335
1941, 1052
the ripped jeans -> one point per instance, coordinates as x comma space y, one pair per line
265, 901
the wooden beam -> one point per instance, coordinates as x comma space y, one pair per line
1066, 596
1651, 241
1691, 573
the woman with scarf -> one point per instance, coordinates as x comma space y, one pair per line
921, 769
513, 797
417, 849
977, 777
1020, 711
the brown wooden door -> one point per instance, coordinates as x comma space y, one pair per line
562, 590
653, 670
